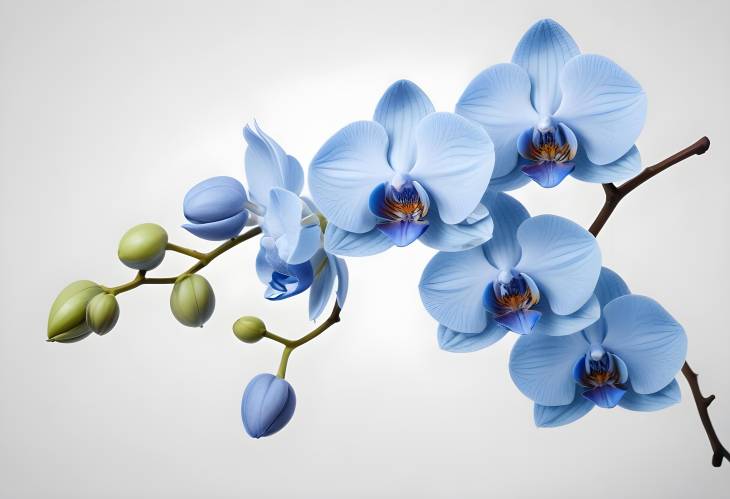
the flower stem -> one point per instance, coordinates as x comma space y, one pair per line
614, 194
290, 345
203, 260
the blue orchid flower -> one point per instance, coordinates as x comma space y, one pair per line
628, 358
535, 277
291, 259
558, 112
412, 173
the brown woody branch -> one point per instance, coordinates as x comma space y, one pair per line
614, 194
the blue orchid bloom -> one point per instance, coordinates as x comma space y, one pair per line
291, 259
559, 112
535, 277
412, 173
628, 358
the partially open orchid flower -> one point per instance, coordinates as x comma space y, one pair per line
553, 112
291, 259
628, 358
410, 174
536, 276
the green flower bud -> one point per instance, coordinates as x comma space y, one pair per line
67, 318
102, 313
143, 246
192, 300
249, 329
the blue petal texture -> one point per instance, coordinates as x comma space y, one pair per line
322, 285
503, 251
609, 286
562, 257
603, 105
647, 338
268, 166
267, 405
296, 241
519, 321
346, 170
548, 174
667, 396
547, 416
606, 396
543, 52
457, 237
454, 165
341, 242
214, 199
499, 100
453, 341
283, 280
542, 366
452, 286
400, 110
559, 325
402, 232
220, 230
343, 278
216, 208
626, 167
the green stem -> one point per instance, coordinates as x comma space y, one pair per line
203, 260
281, 373
290, 345
185, 251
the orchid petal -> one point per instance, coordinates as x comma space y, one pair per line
667, 396
499, 100
542, 366
455, 161
503, 251
400, 109
562, 257
458, 237
452, 286
543, 51
647, 338
453, 341
346, 170
344, 243
627, 166
603, 105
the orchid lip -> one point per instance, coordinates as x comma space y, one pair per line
549, 148
402, 207
603, 375
510, 298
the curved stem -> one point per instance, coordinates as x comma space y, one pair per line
290, 345
614, 195
203, 260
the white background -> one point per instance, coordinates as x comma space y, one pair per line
110, 111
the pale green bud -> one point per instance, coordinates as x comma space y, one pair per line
102, 313
192, 300
143, 246
249, 329
67, 318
